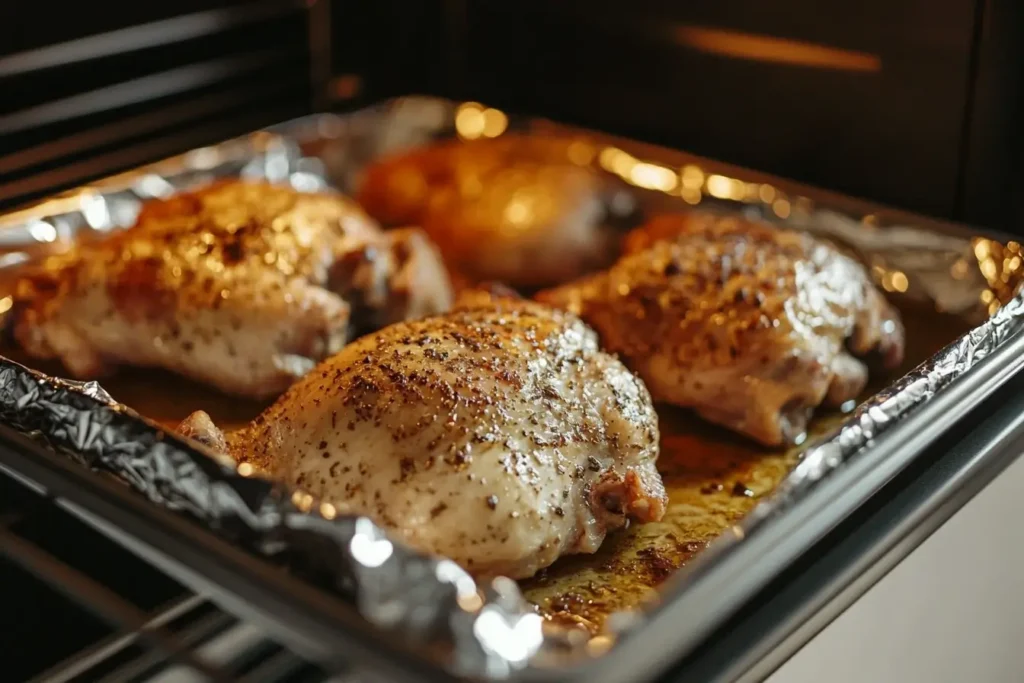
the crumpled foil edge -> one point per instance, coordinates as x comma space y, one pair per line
492, 629
891, 405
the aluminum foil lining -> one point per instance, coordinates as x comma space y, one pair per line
490, 630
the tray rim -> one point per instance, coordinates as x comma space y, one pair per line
886, 447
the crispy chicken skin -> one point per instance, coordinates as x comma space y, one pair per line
497, 435
751, 326
513, 209
244, 286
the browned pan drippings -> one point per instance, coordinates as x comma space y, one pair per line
713, 478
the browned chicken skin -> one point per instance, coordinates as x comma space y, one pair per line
497, 435
244, 286
751, 326
513, 209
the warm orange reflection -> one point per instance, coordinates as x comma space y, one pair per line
473, 120
653, 177
469, 121
781, 207
1001, 266
892, 280
779, 50
693, 177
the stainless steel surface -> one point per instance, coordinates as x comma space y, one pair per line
920, 622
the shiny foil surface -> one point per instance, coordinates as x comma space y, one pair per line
489, 630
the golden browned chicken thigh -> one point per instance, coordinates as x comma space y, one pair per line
497, 435
751, 326
244, 286
513, 209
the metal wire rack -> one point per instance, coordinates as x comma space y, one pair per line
80, 109
225, 615
60, 571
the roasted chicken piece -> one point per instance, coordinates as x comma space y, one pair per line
245, 286
497, 435
514, 209
751, 326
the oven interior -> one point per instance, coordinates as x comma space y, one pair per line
830, 96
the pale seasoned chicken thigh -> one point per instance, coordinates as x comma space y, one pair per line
750, 325
244, 286
497, 435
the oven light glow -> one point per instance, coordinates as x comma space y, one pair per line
495, 122
515, 642
581, 153
782, 208
760, 48
367, 550
473, 120
653, 177
720, 187
693, 177
42, 231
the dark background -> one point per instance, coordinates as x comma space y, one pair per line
931, 128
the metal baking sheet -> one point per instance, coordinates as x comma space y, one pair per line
955, 289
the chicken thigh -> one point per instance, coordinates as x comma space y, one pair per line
497, 435
244, 286
514, 209
751, 326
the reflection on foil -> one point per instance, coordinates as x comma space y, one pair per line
889, 406
473, 121
419, 597
488, 627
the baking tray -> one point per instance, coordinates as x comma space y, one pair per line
728, 498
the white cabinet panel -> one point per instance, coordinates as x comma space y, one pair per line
952, 611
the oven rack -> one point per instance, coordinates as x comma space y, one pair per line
118, 636
89, 107
224, 616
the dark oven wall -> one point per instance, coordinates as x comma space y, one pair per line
875, 98
94, 88
910, 102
